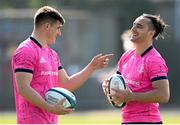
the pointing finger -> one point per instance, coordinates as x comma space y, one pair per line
107, 55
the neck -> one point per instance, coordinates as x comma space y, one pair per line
141, 47
39, 36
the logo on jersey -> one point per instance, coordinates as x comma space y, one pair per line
46, 73
140, 68
42, 60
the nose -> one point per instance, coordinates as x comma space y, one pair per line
132, 28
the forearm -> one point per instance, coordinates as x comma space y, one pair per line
150, 96
33, 97
75, 81
78, 79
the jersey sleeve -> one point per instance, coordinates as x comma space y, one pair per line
59, 64
24, 60
157, 69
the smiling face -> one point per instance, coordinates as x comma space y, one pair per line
141, 31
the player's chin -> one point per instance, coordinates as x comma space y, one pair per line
52, 42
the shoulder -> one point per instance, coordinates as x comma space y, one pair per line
154, 57
124, 58
26, 49
126, 55
155, 62
53, 53
26, 46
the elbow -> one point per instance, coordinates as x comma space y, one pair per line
21, 91
165, 98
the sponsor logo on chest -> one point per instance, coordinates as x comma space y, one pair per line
46, 67
140, 68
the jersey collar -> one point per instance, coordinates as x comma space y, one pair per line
146, 51
35, 41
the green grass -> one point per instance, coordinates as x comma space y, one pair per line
91, 117
94, 117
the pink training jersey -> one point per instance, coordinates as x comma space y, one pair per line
43, 63
139, 71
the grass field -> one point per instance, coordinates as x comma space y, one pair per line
95, 117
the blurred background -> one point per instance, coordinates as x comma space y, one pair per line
92, 27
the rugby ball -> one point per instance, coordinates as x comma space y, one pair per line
116, 81
54, 95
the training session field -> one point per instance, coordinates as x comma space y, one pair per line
95, 117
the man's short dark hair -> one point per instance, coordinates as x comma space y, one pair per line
47, 13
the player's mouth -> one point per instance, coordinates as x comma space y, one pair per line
133, 36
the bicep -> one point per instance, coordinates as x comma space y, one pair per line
162, 86
23, 80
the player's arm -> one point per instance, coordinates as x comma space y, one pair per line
26, 91
75, 81
160, 93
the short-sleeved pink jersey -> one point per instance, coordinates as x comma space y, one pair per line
139, 71
43, 63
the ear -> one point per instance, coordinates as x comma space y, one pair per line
152, 32
47, 26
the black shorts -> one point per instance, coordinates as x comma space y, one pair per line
160, 123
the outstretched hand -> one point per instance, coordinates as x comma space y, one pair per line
100, 61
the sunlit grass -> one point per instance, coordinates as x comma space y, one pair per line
94, 117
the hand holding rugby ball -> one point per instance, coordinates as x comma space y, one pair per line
56, 94
116, 81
